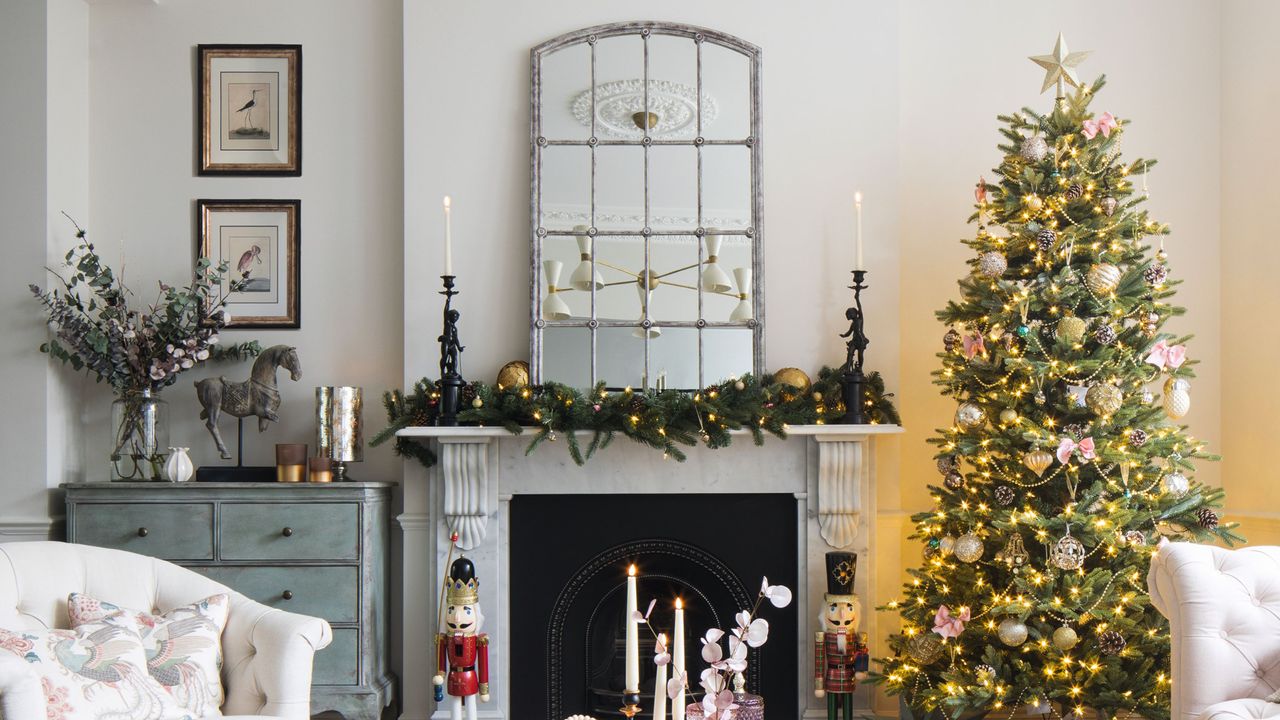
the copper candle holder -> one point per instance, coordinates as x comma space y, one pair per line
320, 470
291, 462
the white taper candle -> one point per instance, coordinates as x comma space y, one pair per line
857, 206
448, 236
677, 661
633, 635
660, 685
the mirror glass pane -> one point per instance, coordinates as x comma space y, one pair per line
566, 98
726, 353
620, 356
726, 79
726, 179
566, 186
568, 350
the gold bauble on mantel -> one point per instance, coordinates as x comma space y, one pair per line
514, 374
795, 377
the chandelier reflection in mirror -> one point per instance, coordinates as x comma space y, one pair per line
646, 201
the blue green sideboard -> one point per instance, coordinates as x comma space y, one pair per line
315, 549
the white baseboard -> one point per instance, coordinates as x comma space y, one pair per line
26, 529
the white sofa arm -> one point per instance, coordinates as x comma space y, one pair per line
267, 657
20, 693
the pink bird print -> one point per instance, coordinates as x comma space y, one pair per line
247, 260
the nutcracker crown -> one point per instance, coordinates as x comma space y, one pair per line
462, 588
842, 568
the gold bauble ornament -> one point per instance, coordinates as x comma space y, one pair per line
924, 648
513, 375
1071, 329
1038, 460
1102, 278
947, 545
1064, 638
1008, 416
1034, 203
970, 415
817, 397
794, 377
1012, 632
1177, 398
1104, 399
1068, 553
968, 548
1109, 206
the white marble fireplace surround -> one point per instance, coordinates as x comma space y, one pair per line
829, 469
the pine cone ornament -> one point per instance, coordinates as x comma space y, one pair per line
948, 464
951, 340
1005, 495
953, 481
1207, 518
636, 404
1155, 274
1074, 192
1075, 430
1111, 643
1045, 239
1137, 438
469, 393
1135, 537
1105, 334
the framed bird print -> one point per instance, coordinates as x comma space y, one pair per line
261, 243
250, 110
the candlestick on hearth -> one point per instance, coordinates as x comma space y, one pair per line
852, 380
451, 348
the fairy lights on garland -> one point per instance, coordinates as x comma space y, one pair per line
668, 421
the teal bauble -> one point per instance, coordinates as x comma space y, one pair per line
1023, 330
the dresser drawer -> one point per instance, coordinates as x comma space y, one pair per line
331, 593
339, 663
290, 531
171, 531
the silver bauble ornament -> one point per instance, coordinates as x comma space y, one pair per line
1175, 483
1102, 278
1071, 329
1104, 399
1013, 632
992, 263
1038, 460
1034, 149
1068, 553
969, 416
951, 340
969, 548
1064, 638
1008, 416
1109, 206
947, 545
953, 481
1148, 397
948, 464
1177, 398
1162, 256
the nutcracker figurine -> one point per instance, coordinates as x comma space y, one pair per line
461, 648
839, 652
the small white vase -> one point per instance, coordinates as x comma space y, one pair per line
179, 467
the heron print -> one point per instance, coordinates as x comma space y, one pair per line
250, 106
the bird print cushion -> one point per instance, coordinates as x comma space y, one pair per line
96, 672
183, 646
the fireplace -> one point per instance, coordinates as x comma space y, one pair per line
569, 555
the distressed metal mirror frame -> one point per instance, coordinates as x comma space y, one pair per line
750, 313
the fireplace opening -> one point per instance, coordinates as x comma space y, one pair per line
567, 592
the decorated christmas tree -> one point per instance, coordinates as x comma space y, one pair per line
1065, 466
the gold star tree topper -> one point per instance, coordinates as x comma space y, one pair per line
1060, 65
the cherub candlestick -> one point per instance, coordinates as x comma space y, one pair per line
451, 348
461, 647
852, 380
840, 656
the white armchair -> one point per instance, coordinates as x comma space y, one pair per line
267, 653
1224, 614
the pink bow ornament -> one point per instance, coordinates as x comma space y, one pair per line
948, 625
973, 345
1164, 355
1069, 446
1105, 123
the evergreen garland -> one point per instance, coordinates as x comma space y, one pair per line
663, 420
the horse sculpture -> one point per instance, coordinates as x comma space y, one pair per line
256, 396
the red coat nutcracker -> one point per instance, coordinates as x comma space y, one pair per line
462, 649
840, 656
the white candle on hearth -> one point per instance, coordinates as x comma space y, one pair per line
857, 206
448, 236
633, 635
660, 685
677, 661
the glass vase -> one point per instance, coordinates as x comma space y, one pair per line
140, 421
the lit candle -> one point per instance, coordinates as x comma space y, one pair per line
857, 206
633, 635
677, 661
448, 237
660, 685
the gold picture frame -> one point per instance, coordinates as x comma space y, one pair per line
261, 242
249, 115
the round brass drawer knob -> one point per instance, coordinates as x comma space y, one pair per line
287, 532
143, 532
287, 594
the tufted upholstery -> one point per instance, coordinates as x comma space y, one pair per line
1224, 611
266, 652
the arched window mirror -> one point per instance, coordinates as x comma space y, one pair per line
646, 207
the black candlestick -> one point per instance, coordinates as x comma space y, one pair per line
852, 380
451, 348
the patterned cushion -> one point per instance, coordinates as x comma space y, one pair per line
183, 646
95, 671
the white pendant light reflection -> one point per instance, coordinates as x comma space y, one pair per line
714, 279
553, 306
645, 296
742, 312
583, 276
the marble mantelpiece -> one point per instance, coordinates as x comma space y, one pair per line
829, 469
